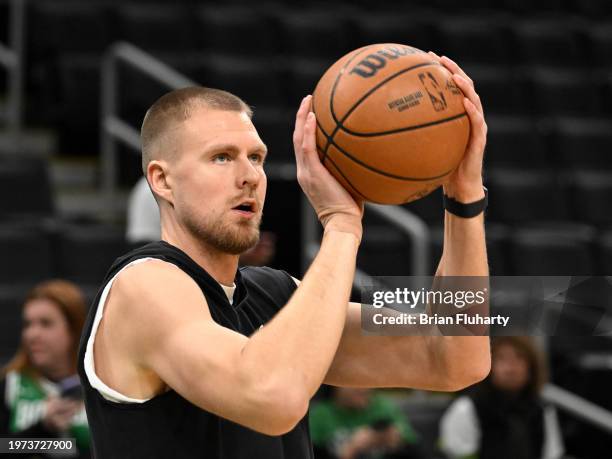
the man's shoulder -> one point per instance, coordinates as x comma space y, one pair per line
150, 276
262, 274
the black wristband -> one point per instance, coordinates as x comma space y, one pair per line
469, 210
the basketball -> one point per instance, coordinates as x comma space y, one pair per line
391, 125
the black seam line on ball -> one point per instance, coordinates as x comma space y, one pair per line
347, 180
373, 169
375, 88
331, 99
409, 128
329, 141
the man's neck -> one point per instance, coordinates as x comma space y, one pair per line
221, 266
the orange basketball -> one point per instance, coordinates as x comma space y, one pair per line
391, 125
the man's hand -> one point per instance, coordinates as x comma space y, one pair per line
465, 184
336, 208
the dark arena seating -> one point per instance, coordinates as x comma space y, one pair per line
543, 70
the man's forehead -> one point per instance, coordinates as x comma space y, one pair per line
205, 120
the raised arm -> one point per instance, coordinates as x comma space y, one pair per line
431, 362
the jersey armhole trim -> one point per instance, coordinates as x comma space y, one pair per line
105, 391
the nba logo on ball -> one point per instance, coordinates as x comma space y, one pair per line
391, 125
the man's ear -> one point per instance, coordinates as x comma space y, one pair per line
159, 180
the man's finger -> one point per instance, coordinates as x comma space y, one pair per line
468, 90
309, 144
298, 133
454, 68
300, 120
478, 132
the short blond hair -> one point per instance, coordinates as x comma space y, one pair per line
177, 106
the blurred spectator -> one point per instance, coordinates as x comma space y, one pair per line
263, 253
143, 224
504, 416
40, 388
361, 424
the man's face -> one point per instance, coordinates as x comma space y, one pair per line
218, 180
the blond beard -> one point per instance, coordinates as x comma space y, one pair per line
228, 238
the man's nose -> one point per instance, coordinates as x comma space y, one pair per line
249, 174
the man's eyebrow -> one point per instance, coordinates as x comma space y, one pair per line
233, 148
221, 146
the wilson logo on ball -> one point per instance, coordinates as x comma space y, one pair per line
372, 63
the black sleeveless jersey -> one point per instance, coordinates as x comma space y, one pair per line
170, 426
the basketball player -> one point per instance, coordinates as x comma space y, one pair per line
183, 355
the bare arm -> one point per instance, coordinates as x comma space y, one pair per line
430, 362
220, 370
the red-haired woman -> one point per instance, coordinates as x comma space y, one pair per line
39, 387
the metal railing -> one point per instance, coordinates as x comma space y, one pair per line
11, 58
409, 224
113, 128
578, 406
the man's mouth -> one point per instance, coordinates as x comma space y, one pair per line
246, 207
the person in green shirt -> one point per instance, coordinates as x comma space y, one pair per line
39, 388
361, 424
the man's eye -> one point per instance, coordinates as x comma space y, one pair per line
222, 158
256, 158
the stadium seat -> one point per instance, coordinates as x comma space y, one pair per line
514, 141
236, 30
530, 8
157, 27
86, 252
258, 81
302, 75
596, 9
474, 39
275, 127
583, 142
314, 33
553, 250
69, 26
518, 195
550, 42
79, 115
592, 196
567, 92
4, 17
11, 300
600, 37
605, 253
384, 251
392, 28
25, 188
26, 252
